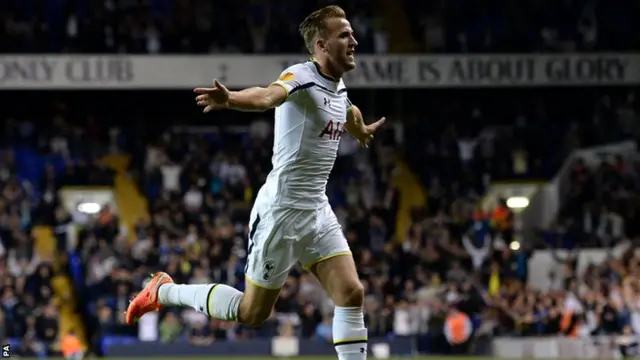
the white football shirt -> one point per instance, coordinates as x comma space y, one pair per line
308, 128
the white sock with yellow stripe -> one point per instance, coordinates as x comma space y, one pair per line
349, 333
219, 301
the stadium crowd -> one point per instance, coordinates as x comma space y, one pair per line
200, 184
602, 207
201, 188
27, 309
201, 26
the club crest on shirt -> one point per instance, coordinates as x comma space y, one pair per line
286, 77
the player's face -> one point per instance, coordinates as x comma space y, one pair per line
341, 44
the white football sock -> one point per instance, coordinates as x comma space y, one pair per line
216, 300
349, 334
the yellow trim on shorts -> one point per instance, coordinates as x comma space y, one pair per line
252, 282
308, 266
282, 86
354, 340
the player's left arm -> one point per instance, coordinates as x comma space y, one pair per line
356, 126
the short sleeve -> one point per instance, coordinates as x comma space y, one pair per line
342, 90
294, 78
347, 102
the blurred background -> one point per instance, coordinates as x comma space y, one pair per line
502, 191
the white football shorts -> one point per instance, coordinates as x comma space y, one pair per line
279, 237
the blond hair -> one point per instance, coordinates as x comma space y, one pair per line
315, 25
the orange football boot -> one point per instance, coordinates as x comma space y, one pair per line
147, 299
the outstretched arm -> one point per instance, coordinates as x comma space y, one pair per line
257, 98
251, 99
357, 128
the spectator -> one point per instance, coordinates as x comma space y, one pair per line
310, 319
324, 330
200, 334
71, 346
28, 347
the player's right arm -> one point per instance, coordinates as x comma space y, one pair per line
252, 99
256, 98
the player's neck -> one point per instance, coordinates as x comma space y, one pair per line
326, 70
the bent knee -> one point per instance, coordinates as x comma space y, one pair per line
257, 304
253, 314
351, 294
254, 318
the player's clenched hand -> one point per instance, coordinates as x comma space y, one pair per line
367, 135
214, 98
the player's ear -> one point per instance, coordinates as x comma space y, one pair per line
321, 44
